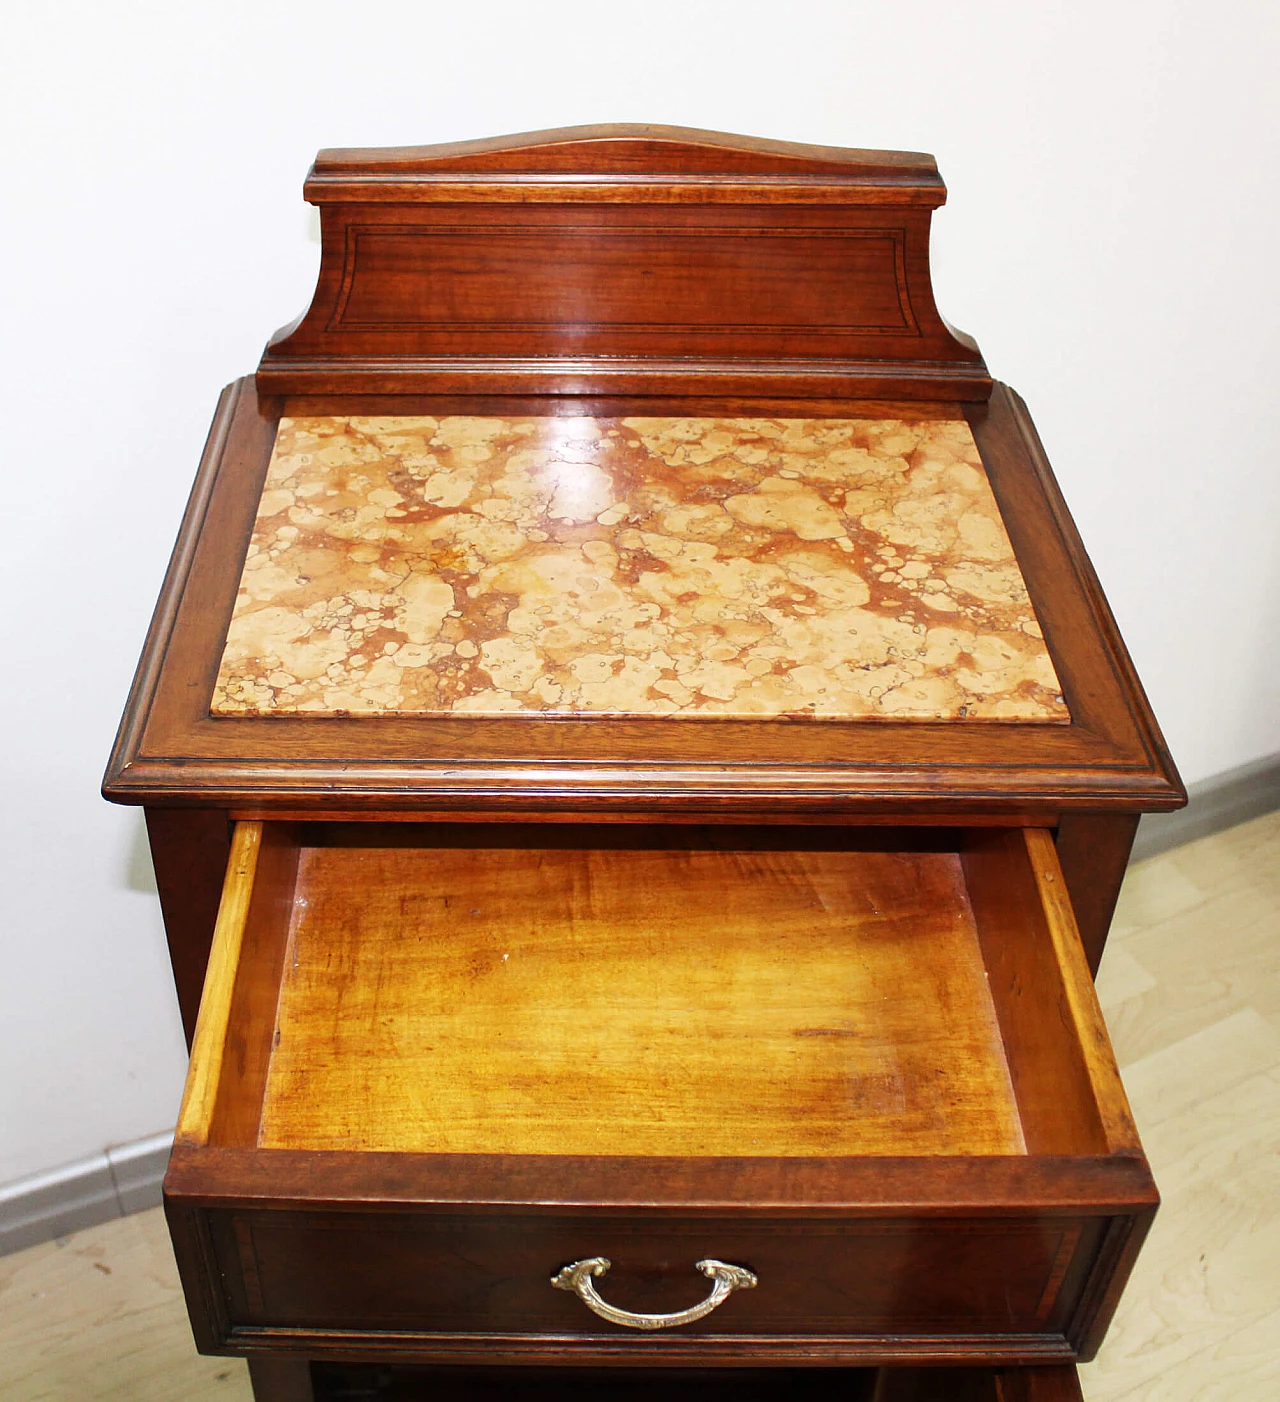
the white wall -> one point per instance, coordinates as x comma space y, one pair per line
1110, 240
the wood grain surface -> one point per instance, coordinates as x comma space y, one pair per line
517, 264
214, 1031
189, 852
1063, 1071
665, 991
577, 1002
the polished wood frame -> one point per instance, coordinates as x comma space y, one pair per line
171, 751
624, 260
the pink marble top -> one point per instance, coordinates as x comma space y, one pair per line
827, 568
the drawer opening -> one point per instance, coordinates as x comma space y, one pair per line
694, 992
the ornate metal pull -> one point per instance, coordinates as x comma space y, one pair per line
578, 1279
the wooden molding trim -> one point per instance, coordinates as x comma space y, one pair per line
625, 155
171, 752
631, 259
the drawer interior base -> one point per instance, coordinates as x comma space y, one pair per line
527, 1001
690, 992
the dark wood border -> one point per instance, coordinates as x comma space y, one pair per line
283, 1179
189, 851
208, 1190
704, 1350
172, 752
664, 182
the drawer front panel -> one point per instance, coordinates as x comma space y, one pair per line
446, 1275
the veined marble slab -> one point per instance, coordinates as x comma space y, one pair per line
828, 568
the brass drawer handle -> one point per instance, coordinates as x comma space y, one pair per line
578, 1279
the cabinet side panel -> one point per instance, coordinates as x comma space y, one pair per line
200, 1270
1093, 850
189, 850
1038, 1385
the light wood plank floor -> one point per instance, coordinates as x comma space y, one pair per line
1190, 985
1191, 988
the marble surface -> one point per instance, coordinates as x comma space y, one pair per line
824, 568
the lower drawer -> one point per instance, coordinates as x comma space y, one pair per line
680, 1096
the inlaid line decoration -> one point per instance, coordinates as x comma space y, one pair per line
487, 237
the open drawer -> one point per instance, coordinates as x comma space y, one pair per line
848, 1086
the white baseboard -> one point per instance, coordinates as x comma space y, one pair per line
1213, 805
111, 1184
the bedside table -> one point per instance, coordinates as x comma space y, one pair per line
639, 769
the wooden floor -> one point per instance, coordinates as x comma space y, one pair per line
1191, 988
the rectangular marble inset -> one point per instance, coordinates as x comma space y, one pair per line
829, 568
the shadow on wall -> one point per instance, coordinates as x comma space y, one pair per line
139, 875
